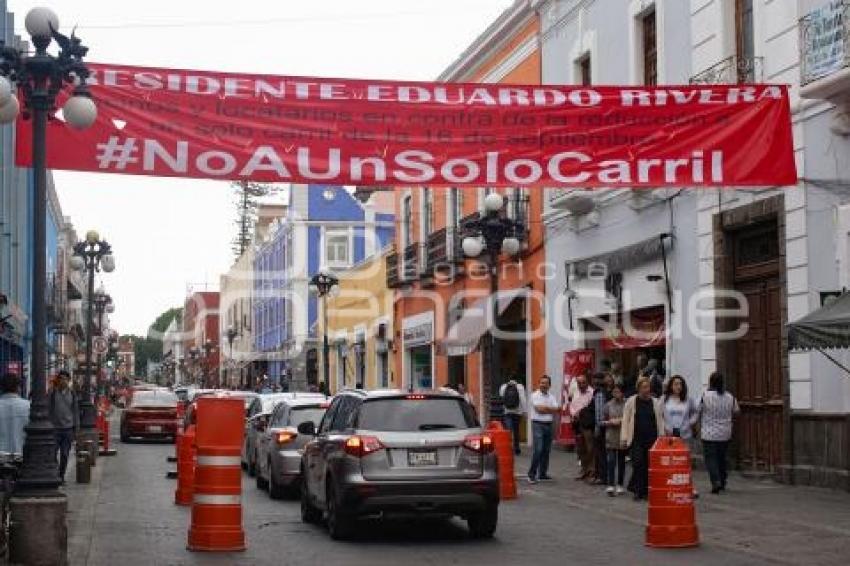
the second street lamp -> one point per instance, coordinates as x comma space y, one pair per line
91, 255
324, 282
496, 234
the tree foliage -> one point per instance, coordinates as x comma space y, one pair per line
149, 348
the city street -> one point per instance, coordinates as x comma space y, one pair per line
126, 516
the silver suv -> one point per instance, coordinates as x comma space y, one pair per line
279, 446
393, 452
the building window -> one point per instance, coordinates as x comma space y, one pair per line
406, 222
584, 74
427, 212
337, 248
744, 41
649, 49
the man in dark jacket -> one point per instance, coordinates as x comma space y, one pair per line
65, 415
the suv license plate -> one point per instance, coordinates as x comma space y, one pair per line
422, 457
154, 428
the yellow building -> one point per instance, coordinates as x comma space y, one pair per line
359, 324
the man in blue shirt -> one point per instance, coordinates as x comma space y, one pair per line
14, 415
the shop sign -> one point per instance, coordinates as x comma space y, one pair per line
417, 335
823, 41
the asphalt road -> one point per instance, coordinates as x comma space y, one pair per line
127, 517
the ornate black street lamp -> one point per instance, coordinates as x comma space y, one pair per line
91, 255
496, 234
231, 335
38, 532
324, 282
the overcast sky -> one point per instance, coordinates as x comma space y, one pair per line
168, 234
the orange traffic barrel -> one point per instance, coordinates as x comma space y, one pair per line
185, 466
671, 515
217, 499
503, 446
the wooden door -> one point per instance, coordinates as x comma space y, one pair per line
758, 379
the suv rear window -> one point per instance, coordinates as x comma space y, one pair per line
303, 414
415, 415
154, 399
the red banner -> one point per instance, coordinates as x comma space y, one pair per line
336, 131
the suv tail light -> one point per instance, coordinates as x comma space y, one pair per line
285, 437
480, 443
360, 446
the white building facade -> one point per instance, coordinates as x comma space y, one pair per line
667, 256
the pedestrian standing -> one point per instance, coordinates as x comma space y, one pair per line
514, 403
14, 415
65, 415
601, 395
615, 451
717, 409
544, 407
681, 413
582, 411
643, 423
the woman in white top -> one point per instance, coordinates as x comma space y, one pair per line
717, 409
680, 411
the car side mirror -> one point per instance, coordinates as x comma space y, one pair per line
308, 428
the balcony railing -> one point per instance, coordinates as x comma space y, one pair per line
732, 70
824, 41
412, 262
393, 279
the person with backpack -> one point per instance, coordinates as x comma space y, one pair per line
583, 412
514, 403
717, 409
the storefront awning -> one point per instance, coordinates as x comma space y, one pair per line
823, 329
623, 258
465, 334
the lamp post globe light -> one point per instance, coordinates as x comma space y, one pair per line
92, 255
38, 531
496, 234
324, 282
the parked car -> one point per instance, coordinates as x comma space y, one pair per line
279, 446
151, 414
256, 421
392, 452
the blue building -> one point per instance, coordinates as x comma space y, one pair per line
324, 226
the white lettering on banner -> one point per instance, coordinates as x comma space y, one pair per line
408, 166
460, 95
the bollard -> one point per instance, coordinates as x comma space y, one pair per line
83, 467
90, 447
503, 446
672, 518
106, 450
217, 500
185, 468
177, 434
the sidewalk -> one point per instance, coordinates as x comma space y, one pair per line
83, 500
761, 518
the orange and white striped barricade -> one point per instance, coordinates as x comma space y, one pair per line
671, 517
217, 498
185, 467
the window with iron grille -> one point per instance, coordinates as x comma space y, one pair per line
427, 211
650, 49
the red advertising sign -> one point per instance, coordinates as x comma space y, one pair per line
576, 362
216, 125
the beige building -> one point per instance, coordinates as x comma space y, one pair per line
359, 324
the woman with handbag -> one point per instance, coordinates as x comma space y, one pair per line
643, 423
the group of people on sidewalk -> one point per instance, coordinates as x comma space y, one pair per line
616, 421
15, 413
